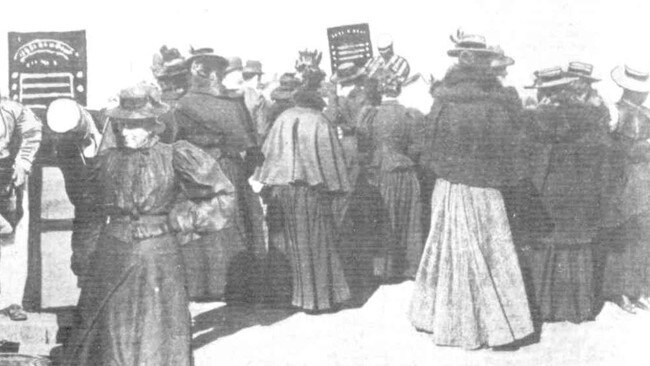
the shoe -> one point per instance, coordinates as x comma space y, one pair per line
15, 313
624, 303
640, 305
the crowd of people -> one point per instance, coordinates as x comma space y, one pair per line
505, 213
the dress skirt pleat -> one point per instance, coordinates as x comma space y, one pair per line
469, 290
317, 277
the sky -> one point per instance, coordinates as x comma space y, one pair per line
122, 36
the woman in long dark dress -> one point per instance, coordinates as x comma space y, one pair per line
626, 278
572, 126
469, 290
389, 129
134, 308
303, 170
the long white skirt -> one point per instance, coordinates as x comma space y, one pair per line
469, 290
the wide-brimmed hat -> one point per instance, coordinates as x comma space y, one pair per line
582, 70
253, 67
207, 54
346, 72
633, 78
470, 42
550, 77
138, 103
168, 63
288, 84
234, 64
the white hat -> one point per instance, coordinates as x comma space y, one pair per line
384, 41
632, 77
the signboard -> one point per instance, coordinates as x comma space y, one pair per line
44, 66
349, 43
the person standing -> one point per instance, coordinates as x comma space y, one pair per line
303, 171
221, 264
572, 124
626, 279
387, 61
469, 290
134, 309
392, 133
256, 103
20, 140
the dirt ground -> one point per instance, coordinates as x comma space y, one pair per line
379, 333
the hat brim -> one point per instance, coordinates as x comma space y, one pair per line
147, 112
625, 82
221, 61
582, 76
251, 71
346, 79
502, 62
550, 84
457, 51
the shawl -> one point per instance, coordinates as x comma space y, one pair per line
302, 147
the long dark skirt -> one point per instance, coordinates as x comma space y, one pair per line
235, 251
134, 310
627, 265
562, 280
400, 256
308, 243
217, 267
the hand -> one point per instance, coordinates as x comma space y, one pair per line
19, 176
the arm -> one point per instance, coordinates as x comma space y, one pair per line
29, 128
208, 197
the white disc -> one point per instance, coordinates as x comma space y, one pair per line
63, 115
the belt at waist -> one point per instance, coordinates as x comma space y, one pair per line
129, 227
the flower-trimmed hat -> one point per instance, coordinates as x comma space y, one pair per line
168, 63
470, 42
207, 54
347, 72
138, 103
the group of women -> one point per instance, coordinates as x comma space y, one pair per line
528, 208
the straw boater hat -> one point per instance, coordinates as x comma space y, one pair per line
207, 54
347, 72
139, 104
253, 67
633, 78
582, 70
470, 42
550, 77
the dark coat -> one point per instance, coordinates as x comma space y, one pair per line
575, 176
474, 131
207, 119
632, 196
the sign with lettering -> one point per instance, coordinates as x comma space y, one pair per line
44, 66
349, 43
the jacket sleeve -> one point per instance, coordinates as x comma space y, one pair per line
208, 199
29, 128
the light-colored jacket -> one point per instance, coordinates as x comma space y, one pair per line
16, 118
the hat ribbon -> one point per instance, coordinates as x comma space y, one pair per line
134, 103
636, 75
